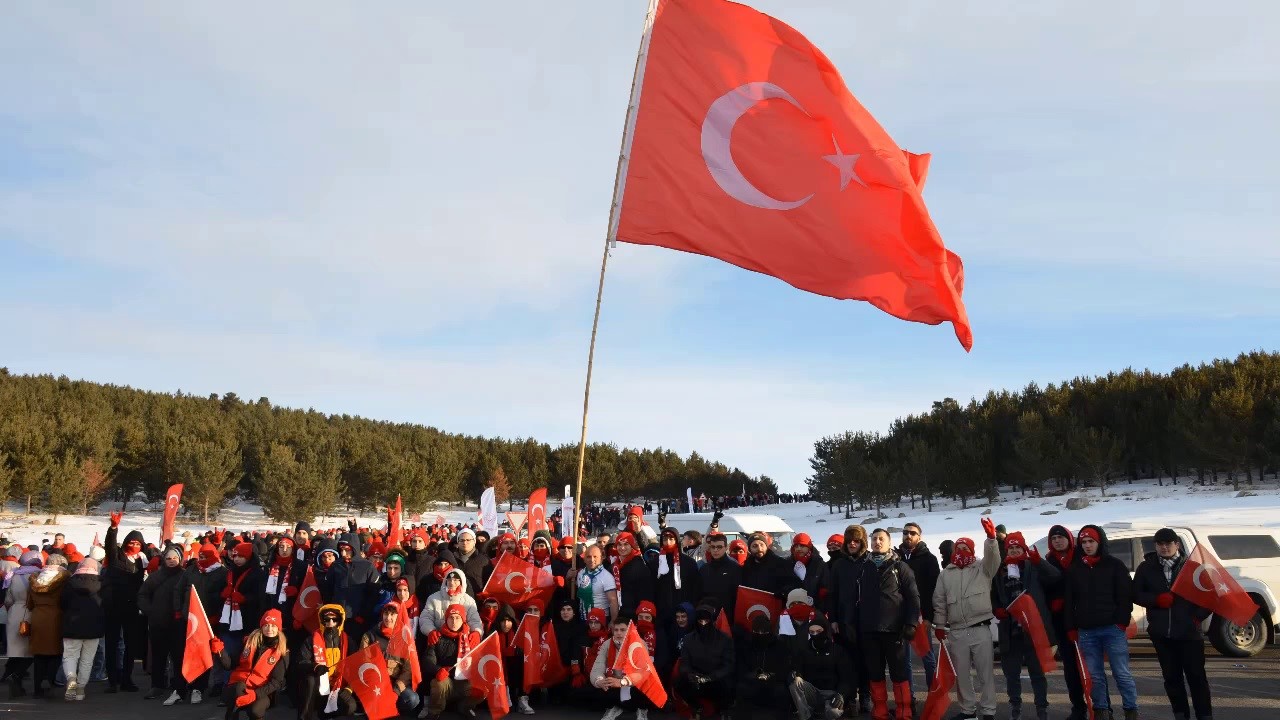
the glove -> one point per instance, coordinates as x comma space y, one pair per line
296, 625
226, 593
1164, 600
237, 597
177, 615
1123, 628
246, 699
715, 517
291, 592
662, 520
908, 632
940, 633
1057, 605
442, 674
320, 669
433, 637
1001, 614
216, 646
559, 581
1034, 552
1073, 635
989, 526
359, 619
115, 518
701, 680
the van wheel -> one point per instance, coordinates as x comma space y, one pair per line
1238, 640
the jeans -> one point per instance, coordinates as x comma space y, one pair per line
1108, 640
99, 672
930, 661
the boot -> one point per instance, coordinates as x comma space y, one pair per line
879, 701
1131, 714
902, 700
1015, 711
864, 703
1042, 713
15, 687
1103, 714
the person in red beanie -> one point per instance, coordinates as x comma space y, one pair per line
644, 535
257, 671
835, 547
208, 576
738, 551
241, 604
632, 575
1098, 609
399, 673
447, 645
1023, 571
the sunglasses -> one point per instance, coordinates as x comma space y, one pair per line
910, 532
329, 621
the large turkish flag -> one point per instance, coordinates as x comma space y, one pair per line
1206, 583
749, 148
519, 583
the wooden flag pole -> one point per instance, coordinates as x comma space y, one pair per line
619, 182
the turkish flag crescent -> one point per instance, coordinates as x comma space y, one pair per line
748, 147
633, 661
1206, 583
538, 511
519, 583
482, 665
553, 670
172, 499
394, 535
752, 601
196, 655
528, 639
1023, 610
304, 610
940, 693
365, 672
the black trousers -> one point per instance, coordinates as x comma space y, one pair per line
256, 710
1071, 672
128, 630
762, 699
1184, 658
167, 645
717, 694
881, 649
46, 669
312, 702
861, 680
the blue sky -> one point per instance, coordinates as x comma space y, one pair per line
398, 212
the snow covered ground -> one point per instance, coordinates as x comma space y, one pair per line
1142, 501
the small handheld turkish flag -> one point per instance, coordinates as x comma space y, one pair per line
920, 641
752, 601
553, 670
633, 660
401, 645
1024, 611
366, 674
196, 655
538, 511
394, 534
722, 623
172, 499
482, 665
749, 148
304, 610
519, 583
528, 640
1206, 583
940, 692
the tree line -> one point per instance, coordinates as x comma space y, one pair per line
1217, 421
67, 445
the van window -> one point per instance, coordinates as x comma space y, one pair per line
1123, 549
1243, 547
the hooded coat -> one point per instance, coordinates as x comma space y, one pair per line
333, 645
571, 636
432, 616
122, 577
828, 669
15, 601
82, 613
1100, 594
45, 601
355, 586
707, 651
844, 576
888, 599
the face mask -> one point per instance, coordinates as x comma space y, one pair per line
820, 642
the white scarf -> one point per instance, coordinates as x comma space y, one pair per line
801, 570
664, 567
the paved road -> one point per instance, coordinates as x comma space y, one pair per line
1242, 690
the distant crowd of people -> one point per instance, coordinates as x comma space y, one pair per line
838, 643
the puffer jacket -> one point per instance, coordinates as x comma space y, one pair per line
963, 596
1178, 621
888, 598
432, 616
1100, 594
82, 614
157, 600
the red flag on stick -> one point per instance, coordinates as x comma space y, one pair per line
752, 601
634, 661
482, 665
1086, 682
196, 655
749, 148
538, 511
528, 639
365, 672
394, 534
519, 583
304, 610
401, 645
940, 693
172, 499
1206, 583
1023, 610
722, 623
920, 642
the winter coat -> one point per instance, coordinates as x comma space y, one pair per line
767, 655
844, 580
708, 652
419, 567
666, 596
123, 577
15, 600
45, 603
1057, 595
1037, 580
432, 615
831, 670
571, 638
637, 584
769, 573
815, 576
443, 652
474, 568
1178, 621
157, 600
83, 617
355, 588
925, 566
282, 598
208, 587
720, 580
888, 598
962, 597
275, 677
1098, 595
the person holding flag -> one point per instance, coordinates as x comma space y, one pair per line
1061, 555
320, 669
258, 671
207, 576
1173, 624
619, 693
447, 645
962, 619
1098, 610
1023, 572
399, 671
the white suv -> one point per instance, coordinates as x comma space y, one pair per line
1250, 553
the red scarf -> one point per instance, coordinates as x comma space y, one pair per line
464, 635
507, 640
1091, 560
317, 652
233, 585
648, 634
440, 570
617, 566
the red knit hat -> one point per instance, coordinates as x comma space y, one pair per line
566, 542
271, 617
636, 510
802, 539
1015, 539
627, 538
837, 539
207, 556
1091, 533
244, 550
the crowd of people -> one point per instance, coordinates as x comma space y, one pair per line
841, 644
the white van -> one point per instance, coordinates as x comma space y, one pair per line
737, 526
1250, 553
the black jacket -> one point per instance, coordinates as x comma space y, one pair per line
250, 585
419, 566
637, 584
765, 655
1180, 620
297, 572
770, 573
122, 578
667, 597
709, 652
720, 580
888, 599
208, 587
1100, 594
830, 670
355, 588
474, 568
83, 617
1036, 581
844, 580
156, 599
925, 566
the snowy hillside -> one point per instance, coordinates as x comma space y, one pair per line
1140, 502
